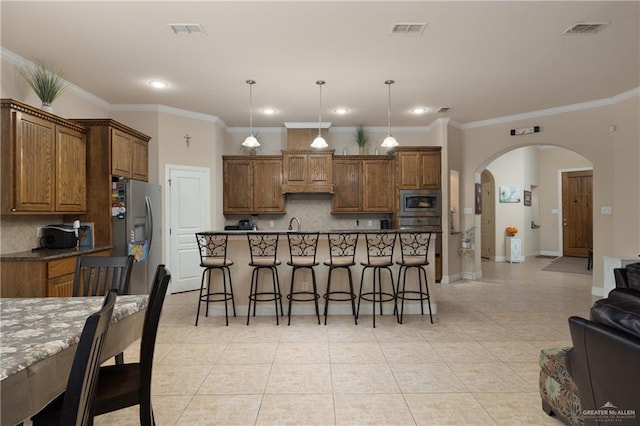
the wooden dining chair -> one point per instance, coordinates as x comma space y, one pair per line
96, 275
125, 385
75, 405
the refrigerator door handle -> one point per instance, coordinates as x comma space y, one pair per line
149, 227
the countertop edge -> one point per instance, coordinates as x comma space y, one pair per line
49, 254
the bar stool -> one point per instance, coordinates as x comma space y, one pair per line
380, 247
213, 256
302, 250
342, 253
414, 249
263, 248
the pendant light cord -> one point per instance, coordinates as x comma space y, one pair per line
251, 83
389, 83
320, 83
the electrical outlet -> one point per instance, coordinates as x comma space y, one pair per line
305, 286
370, 223
270, 224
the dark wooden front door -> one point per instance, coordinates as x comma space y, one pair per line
577, 212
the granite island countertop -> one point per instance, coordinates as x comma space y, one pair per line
44, 255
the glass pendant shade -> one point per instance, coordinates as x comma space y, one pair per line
319, 141
389, 141
251, 141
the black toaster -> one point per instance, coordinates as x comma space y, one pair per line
58, 237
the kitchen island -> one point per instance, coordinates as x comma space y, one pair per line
238, 251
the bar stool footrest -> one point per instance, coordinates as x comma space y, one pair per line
369, 297
349, 296
312, 296
420, 295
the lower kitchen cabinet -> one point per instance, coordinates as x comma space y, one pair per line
41, 278
362, 184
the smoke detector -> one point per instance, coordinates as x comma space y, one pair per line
413, 28
585, 28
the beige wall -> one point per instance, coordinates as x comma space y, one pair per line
586, 131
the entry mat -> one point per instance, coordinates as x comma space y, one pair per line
572, 265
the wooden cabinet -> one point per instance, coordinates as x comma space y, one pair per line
307, 170
44, 162
252, 184
362, 184
417, 168
113, 150
41, 278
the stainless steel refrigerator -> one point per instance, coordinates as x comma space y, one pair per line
136, 216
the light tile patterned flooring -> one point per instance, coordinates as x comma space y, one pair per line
476, 365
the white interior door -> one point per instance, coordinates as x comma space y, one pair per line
188, 213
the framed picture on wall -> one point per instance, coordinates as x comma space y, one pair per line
478, 197
527, 198
509, 194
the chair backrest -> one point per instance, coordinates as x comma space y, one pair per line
150, 328
77, 407
263, 247
342, 246
96, 275
414, 245
380, 246
303, 246
212, 247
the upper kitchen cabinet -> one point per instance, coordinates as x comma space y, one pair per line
129, 153
417, 167
252, 184
362, 184
44, 162
307, 170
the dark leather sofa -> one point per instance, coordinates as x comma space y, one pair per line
628, 279
597, 381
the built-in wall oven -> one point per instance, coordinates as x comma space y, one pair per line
420, 202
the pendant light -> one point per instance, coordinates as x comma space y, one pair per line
319, 141
251, 141
389, 141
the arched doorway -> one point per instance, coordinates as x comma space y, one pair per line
487, 218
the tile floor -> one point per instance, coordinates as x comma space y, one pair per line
476, 365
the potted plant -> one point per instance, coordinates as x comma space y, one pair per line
467, 237
511, 231
47, 83
362, 136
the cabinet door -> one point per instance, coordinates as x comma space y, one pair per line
295, 169
237, 186
347, 191
430, 168
408, 170
267, 186
71, 171
319, 168
60, 286
121, 153
140, 163
35, 164
378, 186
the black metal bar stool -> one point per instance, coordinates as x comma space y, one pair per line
213, 256
342, 253
302, 249
414, 248
263, 248
380, 246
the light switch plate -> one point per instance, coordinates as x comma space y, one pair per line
605, 210
468, 210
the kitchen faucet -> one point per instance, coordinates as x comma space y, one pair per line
291, 223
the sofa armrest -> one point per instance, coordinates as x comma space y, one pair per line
620, 275
604, 364
621, 311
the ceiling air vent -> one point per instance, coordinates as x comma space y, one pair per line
416, 28
443, 109
186, 29
585, 28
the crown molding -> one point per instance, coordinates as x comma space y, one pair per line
168, 110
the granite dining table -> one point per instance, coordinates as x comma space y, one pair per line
38, 340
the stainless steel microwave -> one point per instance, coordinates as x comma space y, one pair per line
420, 202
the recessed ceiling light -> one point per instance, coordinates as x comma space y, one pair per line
268, 111
158, 84
419, 110
341, 111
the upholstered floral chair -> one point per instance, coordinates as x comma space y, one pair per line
557, 389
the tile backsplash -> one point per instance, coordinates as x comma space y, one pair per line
314, 212
18, 233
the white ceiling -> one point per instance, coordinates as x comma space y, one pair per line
483, 59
